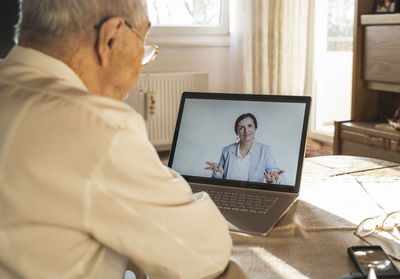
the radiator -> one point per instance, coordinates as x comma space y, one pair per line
157, 97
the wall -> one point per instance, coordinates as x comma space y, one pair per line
181, 57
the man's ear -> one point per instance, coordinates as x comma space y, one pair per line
108, 39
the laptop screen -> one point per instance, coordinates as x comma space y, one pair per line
240, 139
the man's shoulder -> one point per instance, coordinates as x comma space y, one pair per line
112, 112
56, 99
44, 81
86, 106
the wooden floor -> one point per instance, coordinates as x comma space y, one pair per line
317, 148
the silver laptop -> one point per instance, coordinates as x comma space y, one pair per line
245, 150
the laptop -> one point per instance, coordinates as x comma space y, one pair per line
246, 151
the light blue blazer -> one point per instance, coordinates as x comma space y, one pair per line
261, 160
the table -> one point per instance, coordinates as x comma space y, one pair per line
311, 240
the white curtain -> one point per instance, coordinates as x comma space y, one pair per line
269, 46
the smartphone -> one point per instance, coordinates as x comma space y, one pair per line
366, 257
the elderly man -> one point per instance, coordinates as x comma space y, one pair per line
82, 190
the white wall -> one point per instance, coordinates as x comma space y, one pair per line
213, 59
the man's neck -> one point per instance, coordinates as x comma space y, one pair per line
81, 59
55, 49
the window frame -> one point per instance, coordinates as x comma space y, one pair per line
194, 35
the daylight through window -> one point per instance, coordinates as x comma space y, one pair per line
184, 12
332, 63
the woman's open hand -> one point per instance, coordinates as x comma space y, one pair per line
214, 167
273, 176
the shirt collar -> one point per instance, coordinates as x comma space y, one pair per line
45, 63
238, 150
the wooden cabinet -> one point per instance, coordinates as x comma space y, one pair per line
364, 139
375, 89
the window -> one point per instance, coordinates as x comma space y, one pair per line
332, 71
185, 12
188, 17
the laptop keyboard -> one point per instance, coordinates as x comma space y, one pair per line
242, 201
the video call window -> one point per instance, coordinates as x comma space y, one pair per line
209, 137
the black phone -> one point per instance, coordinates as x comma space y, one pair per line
366, 257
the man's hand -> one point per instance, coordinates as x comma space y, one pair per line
214, 167
273, 176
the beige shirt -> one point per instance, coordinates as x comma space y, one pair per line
81, 185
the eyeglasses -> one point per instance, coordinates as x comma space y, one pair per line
390, 224
150, 50
371, 225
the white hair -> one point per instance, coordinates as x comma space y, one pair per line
59, 18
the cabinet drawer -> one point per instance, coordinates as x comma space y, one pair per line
395, 145
387, 144
363, 138
349, 147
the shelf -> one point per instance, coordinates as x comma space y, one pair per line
371, 129
380, 19
375, 87
383, 86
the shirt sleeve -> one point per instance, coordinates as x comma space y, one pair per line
146, 211
271, 165
222, 161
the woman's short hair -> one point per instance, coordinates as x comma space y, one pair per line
47, 19
243, 116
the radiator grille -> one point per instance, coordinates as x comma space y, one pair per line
166, 89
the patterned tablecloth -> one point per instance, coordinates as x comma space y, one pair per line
311, 240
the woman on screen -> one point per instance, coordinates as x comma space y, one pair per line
247, 160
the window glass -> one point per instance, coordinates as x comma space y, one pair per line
333, 60
184, 12
340, 25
